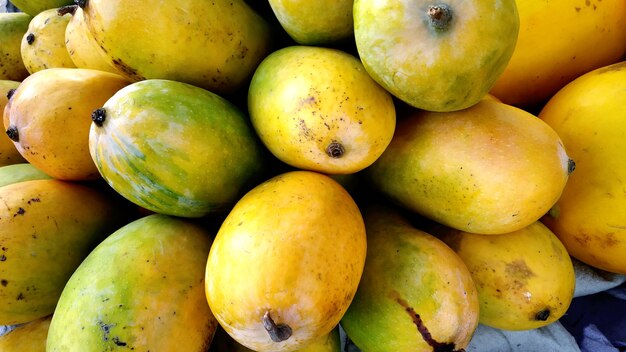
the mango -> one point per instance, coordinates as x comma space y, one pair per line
30, 337
590, 216
21, 172
48, 119
317, 109
436, 56
525, 278
13, 26
34, 7
140, 289
47, 227
416, 294
214, 45
286, 262
43, 45
8, 153
488, 169
331, 342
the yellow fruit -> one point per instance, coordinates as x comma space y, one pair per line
525, 279
286, 262
13, 26
82, 46
30, 337
488, 169
49, 117
318, 109
43, 45
590, 217
8, 153
558, 41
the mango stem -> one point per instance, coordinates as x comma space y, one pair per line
277, 332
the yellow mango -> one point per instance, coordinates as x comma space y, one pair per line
286, 262
8, 153
30, 337
43, 45
488, 169
318, 109
525, 278
13, 26
589, 115
558, 41
49, 117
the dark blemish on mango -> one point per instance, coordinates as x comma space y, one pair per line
117, 342
20, 211
519, 269
131, 72
3, 258
10, 93
13, 134
277, 332
20, 296
30, 38
98, 116
64, 10
105, 329
571, 166
81, 3
543, 315
439, 16
423, 330
335, 150
34, 200
4, 282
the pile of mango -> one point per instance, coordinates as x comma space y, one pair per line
225, 175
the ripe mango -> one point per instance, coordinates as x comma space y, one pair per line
286, 262
416, 294
21, 172
13, 26
590, 217
8, 153
30, 337
34, 7
488, 169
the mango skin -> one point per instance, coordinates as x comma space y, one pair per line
430, 69
222, 342
21, 172
315, 22
289, 259
590, 216
214, 45
558, 42
30, 337
34, 7
141, 289
304, 99
13, 26
51, 111
47, 48
488, 169
525, 278
201, 168
411, 281
8, 153
47, 228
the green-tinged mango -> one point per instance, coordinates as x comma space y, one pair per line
436, 55
21, 172
525, 279
141, 289
319, 22
43, 45
48, 119
34, 7
416, 294
47, 227
13, 26
317, 109
8, 153
286, 262
29, 337
215, 45
174, 148
488, 169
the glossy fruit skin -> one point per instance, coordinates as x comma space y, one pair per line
589, 218
430, 68
13, 26
30, 337
306, 102
50, 114
48, 228
488, 169
43, 45
21, 172
175, 149
287, 260
559, 41
525, 279
415, 292
141, 289
34, 7
315, 22
214, 45
8, 153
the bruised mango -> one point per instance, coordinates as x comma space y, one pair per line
286, 262
416, 294
488, 169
